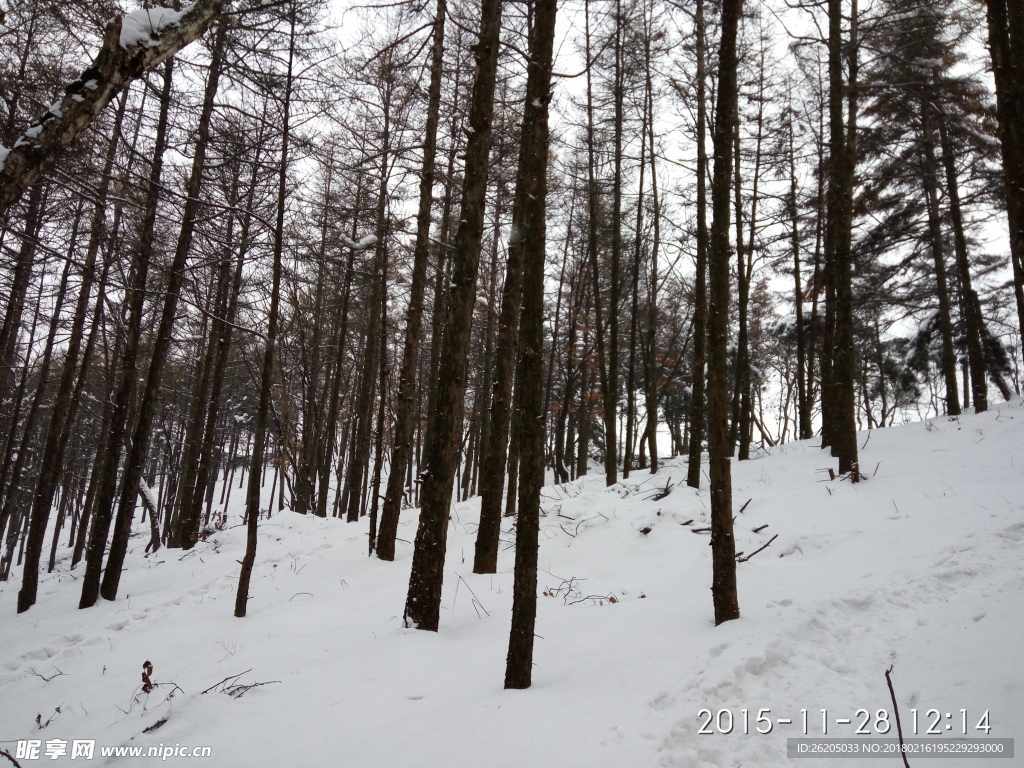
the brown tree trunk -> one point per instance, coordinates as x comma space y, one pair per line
402, 452
931, 186
161, 348
107, 485
700, 300
423, 603
842, 164
968, 299
651, 390
1006, 46
252, 495
532, 178
803, 405
723, 545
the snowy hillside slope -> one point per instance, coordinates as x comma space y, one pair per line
920, 567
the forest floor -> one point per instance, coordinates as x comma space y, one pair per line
919, 568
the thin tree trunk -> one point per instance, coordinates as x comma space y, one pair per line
842, 165
700, 305
651, 389
252, 496
968, 299
931, 185
533, 177
402, 451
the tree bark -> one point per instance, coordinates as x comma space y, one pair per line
842, 164
423, 603
533, 179
931, 185
723, 545
700, 300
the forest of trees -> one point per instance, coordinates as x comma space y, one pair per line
364, 259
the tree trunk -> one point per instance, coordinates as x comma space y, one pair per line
161, 348
700, 306
107, 485
252, 495
931, 185
968, 300
402, 451
533, 178
113, 70
842, 164
723, 545
423, 603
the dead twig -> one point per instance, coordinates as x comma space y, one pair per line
760, 528
661, 493
226, 679
238, 691
596, 598
745, 505
475, 602
744, 559
9, 756
896, 710
44, 678
39, 718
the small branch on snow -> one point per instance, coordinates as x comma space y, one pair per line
744, 559
896, 710
226, 679
45, 679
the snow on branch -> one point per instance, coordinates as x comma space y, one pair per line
131, 45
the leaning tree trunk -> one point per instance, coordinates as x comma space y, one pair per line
423, 603
107, 467
161, 348
130, 47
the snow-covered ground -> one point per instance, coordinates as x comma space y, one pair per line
919, 568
